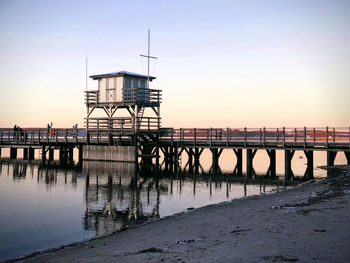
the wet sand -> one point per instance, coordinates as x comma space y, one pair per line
310, 223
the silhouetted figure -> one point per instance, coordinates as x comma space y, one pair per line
21, 133
15, 132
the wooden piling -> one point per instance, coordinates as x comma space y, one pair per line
272, 167
331, 157
309, 172
70, 154
250, 156
25, 153
239, 162
347, 155
288, 156
31, 153
80, 158
43, 153
190, 160
13, 153
51, 154
215, 160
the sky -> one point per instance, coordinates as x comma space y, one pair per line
220, 63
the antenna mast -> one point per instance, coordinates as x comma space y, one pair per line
148, 56
86, 73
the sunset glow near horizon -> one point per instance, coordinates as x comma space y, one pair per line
220, 63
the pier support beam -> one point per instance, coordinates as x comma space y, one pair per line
63, 155
43, 153
190, 160
288, 156
197, 154
250, 156
13, 153
25, 153
146, 154
70, 154
309, 173
0, 152
51, 154
239, 163
272, 168
171, 159
331, 157
80, 155
215, 160
347, 155
31, 153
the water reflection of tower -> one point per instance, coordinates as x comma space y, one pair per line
115, 197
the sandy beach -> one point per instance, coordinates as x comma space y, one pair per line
310, 223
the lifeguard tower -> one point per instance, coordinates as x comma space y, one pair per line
123, 101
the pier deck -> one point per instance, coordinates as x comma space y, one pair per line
173, 142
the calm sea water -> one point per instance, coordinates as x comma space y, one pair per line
43, 207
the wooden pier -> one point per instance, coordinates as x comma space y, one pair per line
148, 144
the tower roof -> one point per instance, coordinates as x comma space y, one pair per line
121, 73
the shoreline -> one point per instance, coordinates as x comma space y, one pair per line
190, 236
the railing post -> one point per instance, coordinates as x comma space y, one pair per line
39, 135
264, 136
1, 135
181, 135
295, 134
277, 135
314, 134
66, 133
172, 136
245, 136
349, 137
304, 137
260, 135
211, 136
327, 137
228, 135
57, 136
333, 134
284, 136
195, 136
87, 137
48, 134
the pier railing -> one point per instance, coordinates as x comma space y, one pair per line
196, 137
258, 135
142, 95
138, 96
144, 123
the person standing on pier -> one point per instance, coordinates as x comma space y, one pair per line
15, 135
